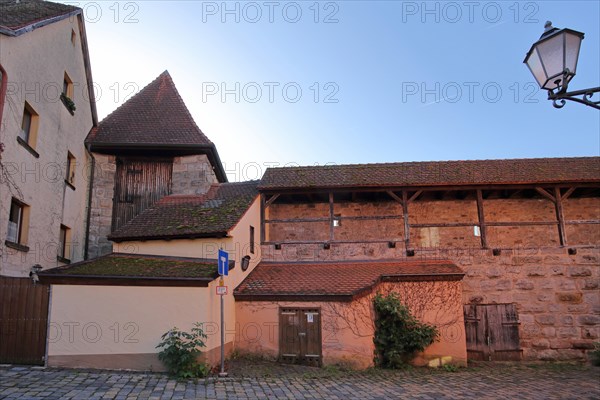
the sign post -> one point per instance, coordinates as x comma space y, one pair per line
223, 268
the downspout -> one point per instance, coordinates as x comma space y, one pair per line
88, 217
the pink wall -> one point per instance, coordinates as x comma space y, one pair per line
347, 328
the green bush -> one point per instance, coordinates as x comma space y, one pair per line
398, 334
180, 352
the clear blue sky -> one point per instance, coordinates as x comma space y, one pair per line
380, 81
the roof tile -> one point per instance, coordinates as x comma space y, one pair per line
156, 115
344, 278
139, 266
19, 14
210, 215
435, 173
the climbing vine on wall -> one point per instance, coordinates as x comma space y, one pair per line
398, 334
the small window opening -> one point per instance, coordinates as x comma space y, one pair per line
71, 166
337, 220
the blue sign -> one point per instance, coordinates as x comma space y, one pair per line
223, 262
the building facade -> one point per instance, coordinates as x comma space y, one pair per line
524, 232
148, 148
46, 110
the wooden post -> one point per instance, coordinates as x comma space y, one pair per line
559, 216
262, 218
481, 215
557, 200
331, 234
406, 223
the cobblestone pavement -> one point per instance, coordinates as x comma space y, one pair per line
270, 381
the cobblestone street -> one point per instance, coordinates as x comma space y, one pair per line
271, 381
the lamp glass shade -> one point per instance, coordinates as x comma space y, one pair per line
552, 55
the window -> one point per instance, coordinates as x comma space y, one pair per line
64, 244
251, 239
17, 223
29, 127
337, 220
68, 86
73, 37
71, 166
26, 125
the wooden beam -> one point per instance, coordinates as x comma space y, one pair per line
271, 200
320, 242
406, 223
295, 220
522, 223
582, 221
568, 193
415, 195
331, 215
481, 215
560, 217
545, 193
394, 196
443, 224
262, 218
370, 217
513, 194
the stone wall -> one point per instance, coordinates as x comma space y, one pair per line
101, 206
442, 211
555, 289
192, 175
556, 293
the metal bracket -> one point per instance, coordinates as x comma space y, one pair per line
560, 95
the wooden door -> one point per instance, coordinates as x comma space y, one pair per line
23, 321
300, 336
492, 332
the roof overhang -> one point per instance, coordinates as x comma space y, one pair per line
367, 289
61, 276
56, 279
20, 30
210, 235
393, 188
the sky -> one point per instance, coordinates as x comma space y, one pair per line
281, 83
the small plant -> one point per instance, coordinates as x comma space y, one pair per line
450, 368
180, 351
68, 102
398, 334
595, 355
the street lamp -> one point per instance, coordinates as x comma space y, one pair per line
553, 62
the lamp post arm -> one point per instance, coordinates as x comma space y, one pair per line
559, 98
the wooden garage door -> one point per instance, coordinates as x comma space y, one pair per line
300, 336
492, 332
23, 321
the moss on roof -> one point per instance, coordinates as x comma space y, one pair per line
140, 266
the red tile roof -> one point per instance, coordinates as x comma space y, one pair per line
434, 173
15, 15
156, 115
174, 217
135, 270
154, 121
340, 281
